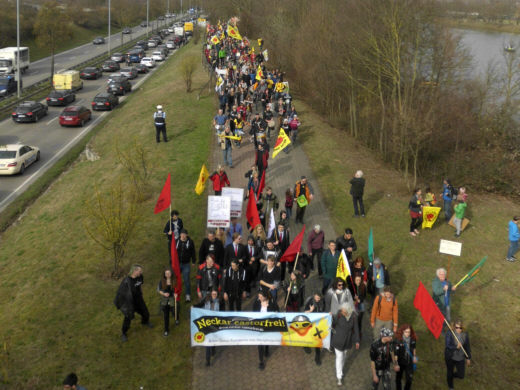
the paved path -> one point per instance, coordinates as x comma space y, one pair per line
287, 367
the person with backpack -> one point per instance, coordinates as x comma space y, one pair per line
159, 118
315, 304
385, 312
447, 197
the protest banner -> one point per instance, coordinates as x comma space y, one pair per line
237, 197
219, 211
215, 328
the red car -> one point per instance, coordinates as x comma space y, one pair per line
75, 116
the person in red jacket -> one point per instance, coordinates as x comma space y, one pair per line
219, 179
261, 159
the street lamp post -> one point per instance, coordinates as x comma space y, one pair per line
147, 17
109, 9
18, 79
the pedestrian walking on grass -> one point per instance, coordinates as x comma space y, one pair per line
460, 209
169, 299
415, 207
456, 359
129, 299
159, 118
357, 188
441, 293
71, 382
514, 236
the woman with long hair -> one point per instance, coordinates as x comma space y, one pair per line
169, 299
405, 357
259, 236
457, 346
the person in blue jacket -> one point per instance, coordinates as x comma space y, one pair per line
514, 236
447, 197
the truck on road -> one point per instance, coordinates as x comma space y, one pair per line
9, 60
67, 79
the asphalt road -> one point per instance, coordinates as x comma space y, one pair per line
52, 139
40, 70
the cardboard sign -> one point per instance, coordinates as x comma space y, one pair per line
219, 210
453, 248
465, 223
237, 198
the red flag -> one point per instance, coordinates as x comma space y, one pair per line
293, 249
165, 199
261, 185
429, 310
177, 269
252, 211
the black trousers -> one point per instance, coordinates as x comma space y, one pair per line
416, 222
317, 253
407, 372
210, 351
358, 200
300, 212
160, 129
142, 310
263, 351
167, 309
234, 303
450, 367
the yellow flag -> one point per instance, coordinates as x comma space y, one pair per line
343, 269
219, 83
203, 177
235, 137
252, 50
430, 215
233, 32
214, 39
260, 42
259, 73
281, 143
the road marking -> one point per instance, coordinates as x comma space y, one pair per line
57, 156
52, 120
78, 101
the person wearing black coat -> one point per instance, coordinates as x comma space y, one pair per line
235, 251
234, 286
211, 245
346, 242
315, 304
282, 242
186, 252
173, 228
129, 299
253, 254
345, 333
356, 190
264, 304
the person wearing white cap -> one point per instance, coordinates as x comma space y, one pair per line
159, 118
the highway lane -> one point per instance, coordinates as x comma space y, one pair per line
40, 70
52, 139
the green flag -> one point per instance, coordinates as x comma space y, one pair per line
471, 274
371, 247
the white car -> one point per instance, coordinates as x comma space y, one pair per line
158, 56
15, 158
152, 43
170, 30
170, 44
148, 61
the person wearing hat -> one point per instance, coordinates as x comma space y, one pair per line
381, 356
159, 118
345, 333
186, 252
71, 383
346, 242
303, 195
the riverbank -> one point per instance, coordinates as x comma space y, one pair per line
472, 24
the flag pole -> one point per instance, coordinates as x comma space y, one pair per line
456, 338
460, 281
290, 284
176, 313
170, 217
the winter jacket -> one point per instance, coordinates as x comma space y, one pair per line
357, 186
345, 332
208, 278
333, 302
186, 251
514, 233
315, 240
124, 300
220, 180
343, 243
329, 264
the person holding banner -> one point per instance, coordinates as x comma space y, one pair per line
264, 304
315, 304
303, 195
208, 277
345, 333
270, 277
234, 286
169, 301
211, 302
457, 353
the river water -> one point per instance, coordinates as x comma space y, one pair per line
486, 47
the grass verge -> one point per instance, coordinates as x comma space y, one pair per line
480, 25
488, 304
57, 307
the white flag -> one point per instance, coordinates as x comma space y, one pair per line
272, 224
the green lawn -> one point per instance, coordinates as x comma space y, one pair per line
489, 305
57, 313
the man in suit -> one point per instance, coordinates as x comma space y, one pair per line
282, 243
235, 251
253, 254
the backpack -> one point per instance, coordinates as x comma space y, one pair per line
454, 192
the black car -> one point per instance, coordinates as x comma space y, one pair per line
127, 30
144, 24
98, 41
160, 18
8, 85
117, 77
29, 112
142, 44
60, 98
129, 73
110, 66
119, 87
104, 101
141, 68
91, 73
